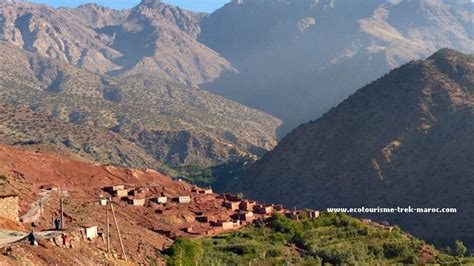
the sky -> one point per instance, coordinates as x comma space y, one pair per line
194, 5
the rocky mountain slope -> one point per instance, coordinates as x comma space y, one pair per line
23, 128
297, 59
172, 123
404, 140
152, 39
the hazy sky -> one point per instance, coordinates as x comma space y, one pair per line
194, 5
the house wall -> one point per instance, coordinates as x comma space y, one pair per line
162, 199
227, 225
121, 193
91, 232
9, 207
184, 199
232, 205
137, 202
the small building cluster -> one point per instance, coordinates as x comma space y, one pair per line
140, 196
210, 213
205, 191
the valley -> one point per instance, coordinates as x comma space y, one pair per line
161, 220
157, 135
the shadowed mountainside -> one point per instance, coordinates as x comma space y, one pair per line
404, 140
297, 59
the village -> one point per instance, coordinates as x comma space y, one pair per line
177, 210
59, 211
212, 213
209, 218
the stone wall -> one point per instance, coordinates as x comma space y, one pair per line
9, 207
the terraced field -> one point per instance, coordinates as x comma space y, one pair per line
331, 238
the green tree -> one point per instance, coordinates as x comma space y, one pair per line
184, 252
460, 248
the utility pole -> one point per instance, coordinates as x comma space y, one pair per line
118, 231
61, 202
107, 223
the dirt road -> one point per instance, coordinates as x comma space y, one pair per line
9, 237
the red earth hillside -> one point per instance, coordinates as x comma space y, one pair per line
146, 228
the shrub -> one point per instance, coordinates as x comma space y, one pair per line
278, 238
376, 251
274, 253
338, 255
3, 179
460, 248
243, 249
396, 250
280, 223
184, 252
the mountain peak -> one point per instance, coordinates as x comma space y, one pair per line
446, 53
365, 151
152, 3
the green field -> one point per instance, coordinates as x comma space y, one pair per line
331, 238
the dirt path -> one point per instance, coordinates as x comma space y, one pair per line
9, 237
35, 209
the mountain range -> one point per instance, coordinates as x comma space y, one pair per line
405, 139
266, 54
153, 39
156, 86
297, 59
168, 122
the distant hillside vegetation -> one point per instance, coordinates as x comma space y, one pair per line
332, 238
168, 122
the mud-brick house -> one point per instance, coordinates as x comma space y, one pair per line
160, 200
183, 199
139, 191
111, 189
230, 197
243, 216
313, 214
247, 205
278, 208
120, 193
263, 209
102, 202
9, 207
206, 191
90, 231
136, 201
293, 215
224, 225
232, 205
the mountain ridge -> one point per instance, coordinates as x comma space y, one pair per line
283, 60
96, 38
395, 142
173, 123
